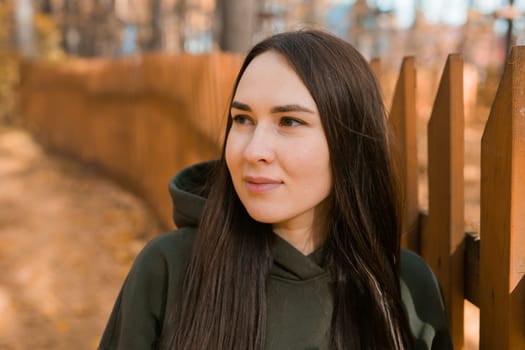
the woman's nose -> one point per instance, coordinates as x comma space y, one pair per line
260, 147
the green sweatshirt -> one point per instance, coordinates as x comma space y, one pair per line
299, 301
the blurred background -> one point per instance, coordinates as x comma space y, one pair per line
112, 28
94, 95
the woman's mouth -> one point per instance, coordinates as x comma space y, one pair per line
259, 184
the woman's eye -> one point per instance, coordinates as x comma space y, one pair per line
288, 121
241, 119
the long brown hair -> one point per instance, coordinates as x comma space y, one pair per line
223, 293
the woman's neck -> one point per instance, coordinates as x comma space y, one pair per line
305, 233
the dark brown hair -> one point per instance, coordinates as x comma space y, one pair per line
223, 294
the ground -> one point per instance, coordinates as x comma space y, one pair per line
67, 239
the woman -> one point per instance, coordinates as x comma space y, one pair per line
295, 242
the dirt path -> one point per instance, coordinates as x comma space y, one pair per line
67, 239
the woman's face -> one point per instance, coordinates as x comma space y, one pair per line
276, 150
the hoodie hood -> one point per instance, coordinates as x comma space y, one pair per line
188, 190
188, 193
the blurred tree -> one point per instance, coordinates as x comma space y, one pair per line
154, 42
24, 27
237, 24
6, 12
88, 27
8, 61
46, 7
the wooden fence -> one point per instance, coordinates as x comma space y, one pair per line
139, 120
489, 271
143, 120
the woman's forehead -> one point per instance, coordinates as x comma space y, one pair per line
270, 77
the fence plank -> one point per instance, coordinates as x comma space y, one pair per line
442, 241
502, 265
403, 121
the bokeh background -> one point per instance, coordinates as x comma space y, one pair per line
71, 225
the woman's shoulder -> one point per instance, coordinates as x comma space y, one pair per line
423, 303
416, 273
150, 289
171, 249
175, 241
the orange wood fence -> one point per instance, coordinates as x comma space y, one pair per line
487, 269
142, 120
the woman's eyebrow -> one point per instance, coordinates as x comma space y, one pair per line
241, 106
290, 108
276, 109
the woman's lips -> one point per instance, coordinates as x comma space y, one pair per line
259, 184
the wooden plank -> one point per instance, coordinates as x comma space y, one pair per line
442, 241
403, 121
470, 264
502, 265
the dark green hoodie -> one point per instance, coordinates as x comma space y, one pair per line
299, 300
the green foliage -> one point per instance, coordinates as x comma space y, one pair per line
47, 47
8, 78
47, 38
6, 12
8, 62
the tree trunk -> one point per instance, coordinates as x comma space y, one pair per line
155, 41
238, 20
24, 28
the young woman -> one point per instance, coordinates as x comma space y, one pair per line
291, 239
